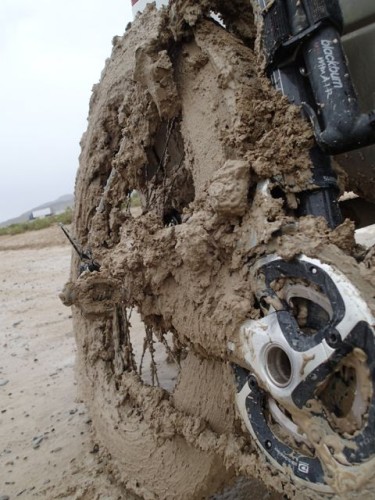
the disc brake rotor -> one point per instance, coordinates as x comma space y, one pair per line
305, 389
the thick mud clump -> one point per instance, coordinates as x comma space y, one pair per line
183, 118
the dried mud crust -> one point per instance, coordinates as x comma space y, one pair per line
182, 116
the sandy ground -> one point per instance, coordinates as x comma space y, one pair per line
45, 437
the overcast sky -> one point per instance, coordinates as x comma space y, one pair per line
51, 53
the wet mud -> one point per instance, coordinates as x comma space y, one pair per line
184, 117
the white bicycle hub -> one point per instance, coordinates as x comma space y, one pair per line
305, 387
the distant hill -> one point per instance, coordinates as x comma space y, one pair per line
57, 207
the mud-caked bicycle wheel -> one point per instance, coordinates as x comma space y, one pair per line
186, 199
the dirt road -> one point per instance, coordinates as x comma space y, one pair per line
45, 443
47, 449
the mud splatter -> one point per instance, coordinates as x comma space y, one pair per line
182, 116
